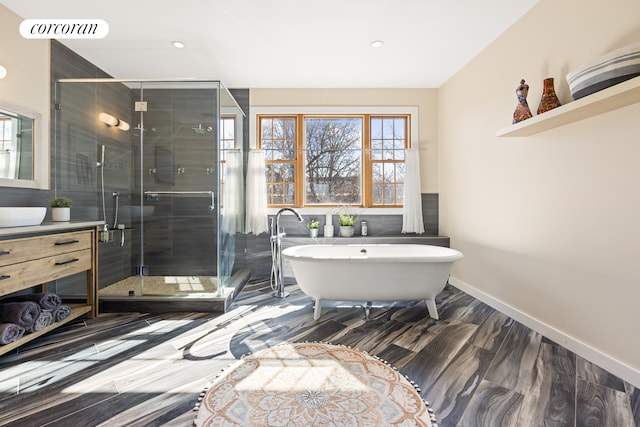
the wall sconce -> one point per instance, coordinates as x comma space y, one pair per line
3, 72
109, 120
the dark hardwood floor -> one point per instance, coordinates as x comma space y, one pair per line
476, 366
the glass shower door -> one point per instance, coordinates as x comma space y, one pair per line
161, 163
177, 136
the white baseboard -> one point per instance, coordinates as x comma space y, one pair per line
585, 351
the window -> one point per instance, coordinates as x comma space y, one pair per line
279, 138
319, 160
227, 142
7, 150
388, 141
5, 133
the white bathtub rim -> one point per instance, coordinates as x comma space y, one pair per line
446, 254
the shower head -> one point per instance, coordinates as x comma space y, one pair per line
200, 130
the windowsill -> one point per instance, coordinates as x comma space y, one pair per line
322, 211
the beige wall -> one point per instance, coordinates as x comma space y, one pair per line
549, 224
27, 64
425, 99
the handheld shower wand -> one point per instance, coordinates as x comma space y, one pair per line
104, 233
100, 162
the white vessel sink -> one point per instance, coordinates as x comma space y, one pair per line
21, 216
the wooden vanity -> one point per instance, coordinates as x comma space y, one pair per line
31, 257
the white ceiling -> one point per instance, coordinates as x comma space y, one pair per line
286, 43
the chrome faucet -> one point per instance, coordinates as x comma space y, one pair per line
277, 282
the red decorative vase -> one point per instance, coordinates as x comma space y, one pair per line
549, 100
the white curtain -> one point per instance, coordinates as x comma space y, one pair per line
256, 221
232, 218
412, 221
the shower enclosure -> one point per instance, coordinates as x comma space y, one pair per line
161, 163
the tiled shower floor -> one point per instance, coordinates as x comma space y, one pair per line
161, 285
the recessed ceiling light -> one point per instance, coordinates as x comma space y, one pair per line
178, 44
377, 43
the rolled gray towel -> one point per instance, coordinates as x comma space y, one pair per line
23, 314
46, 300
61, 313
9, 332
44, 320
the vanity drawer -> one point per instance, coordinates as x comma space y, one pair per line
32, 248
15, 277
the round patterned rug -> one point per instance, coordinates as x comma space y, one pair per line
312, 384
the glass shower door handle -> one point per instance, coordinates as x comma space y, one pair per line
155, 195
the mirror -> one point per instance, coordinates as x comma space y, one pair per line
20, 142
16, 146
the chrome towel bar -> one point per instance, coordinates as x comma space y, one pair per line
212, 194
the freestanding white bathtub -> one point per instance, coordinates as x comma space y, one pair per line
381, 272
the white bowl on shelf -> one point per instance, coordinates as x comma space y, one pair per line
605, 71
14, 216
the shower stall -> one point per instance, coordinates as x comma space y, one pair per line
161, 163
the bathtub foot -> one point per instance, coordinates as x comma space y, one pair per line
317, 309
433, 310
367, 311
366, 308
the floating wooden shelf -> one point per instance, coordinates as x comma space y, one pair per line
612, 98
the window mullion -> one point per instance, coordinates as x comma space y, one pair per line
299, 163
366, 162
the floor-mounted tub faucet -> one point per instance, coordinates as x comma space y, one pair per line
277, 282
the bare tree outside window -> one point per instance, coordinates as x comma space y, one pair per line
333, 166
332, 160
388, 142
278, 139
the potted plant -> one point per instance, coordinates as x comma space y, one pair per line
60, 209
313, 225
347, 220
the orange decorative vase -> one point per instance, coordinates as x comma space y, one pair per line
549, 100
